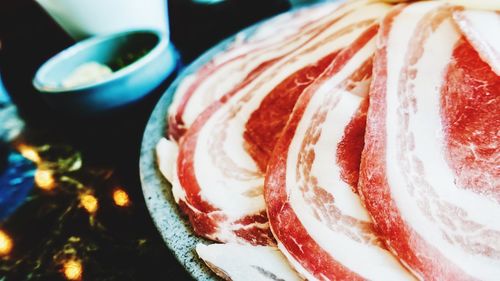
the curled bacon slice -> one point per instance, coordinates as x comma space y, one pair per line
430, 175
220, 178
310, 190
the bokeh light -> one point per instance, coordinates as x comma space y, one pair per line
121, 198
89, 202
73, 270
29, 153
6, 244
44, 179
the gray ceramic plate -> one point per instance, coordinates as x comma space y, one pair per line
173, 226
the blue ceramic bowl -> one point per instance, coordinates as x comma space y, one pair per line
130, 81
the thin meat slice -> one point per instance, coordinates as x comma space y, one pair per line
242, 61
246, 262
231, 261
482, 30
310, 189
220, 185
430, 169
166, 155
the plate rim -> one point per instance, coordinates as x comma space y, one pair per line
156, 189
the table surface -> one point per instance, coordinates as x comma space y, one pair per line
71, 205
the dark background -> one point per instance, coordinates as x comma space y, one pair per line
111, 141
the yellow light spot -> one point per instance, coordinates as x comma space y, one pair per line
89, 202
6, 244
73, 270
44, 179
121, 198
29, 153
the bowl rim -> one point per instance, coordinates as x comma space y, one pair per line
149, 57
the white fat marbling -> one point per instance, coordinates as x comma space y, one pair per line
226, 192
166, 154
247, 262
429, 147
271, 43
482, 29
295, 264
231, 74
180, 92
367, 260
325, 167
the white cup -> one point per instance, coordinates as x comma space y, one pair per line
85, 18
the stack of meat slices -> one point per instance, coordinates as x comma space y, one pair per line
357, 142
243, 60
430, 171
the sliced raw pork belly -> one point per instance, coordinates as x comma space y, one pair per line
243, 61
482, 30
430, 171
219, 184
231, 261
246, 262
313, 206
